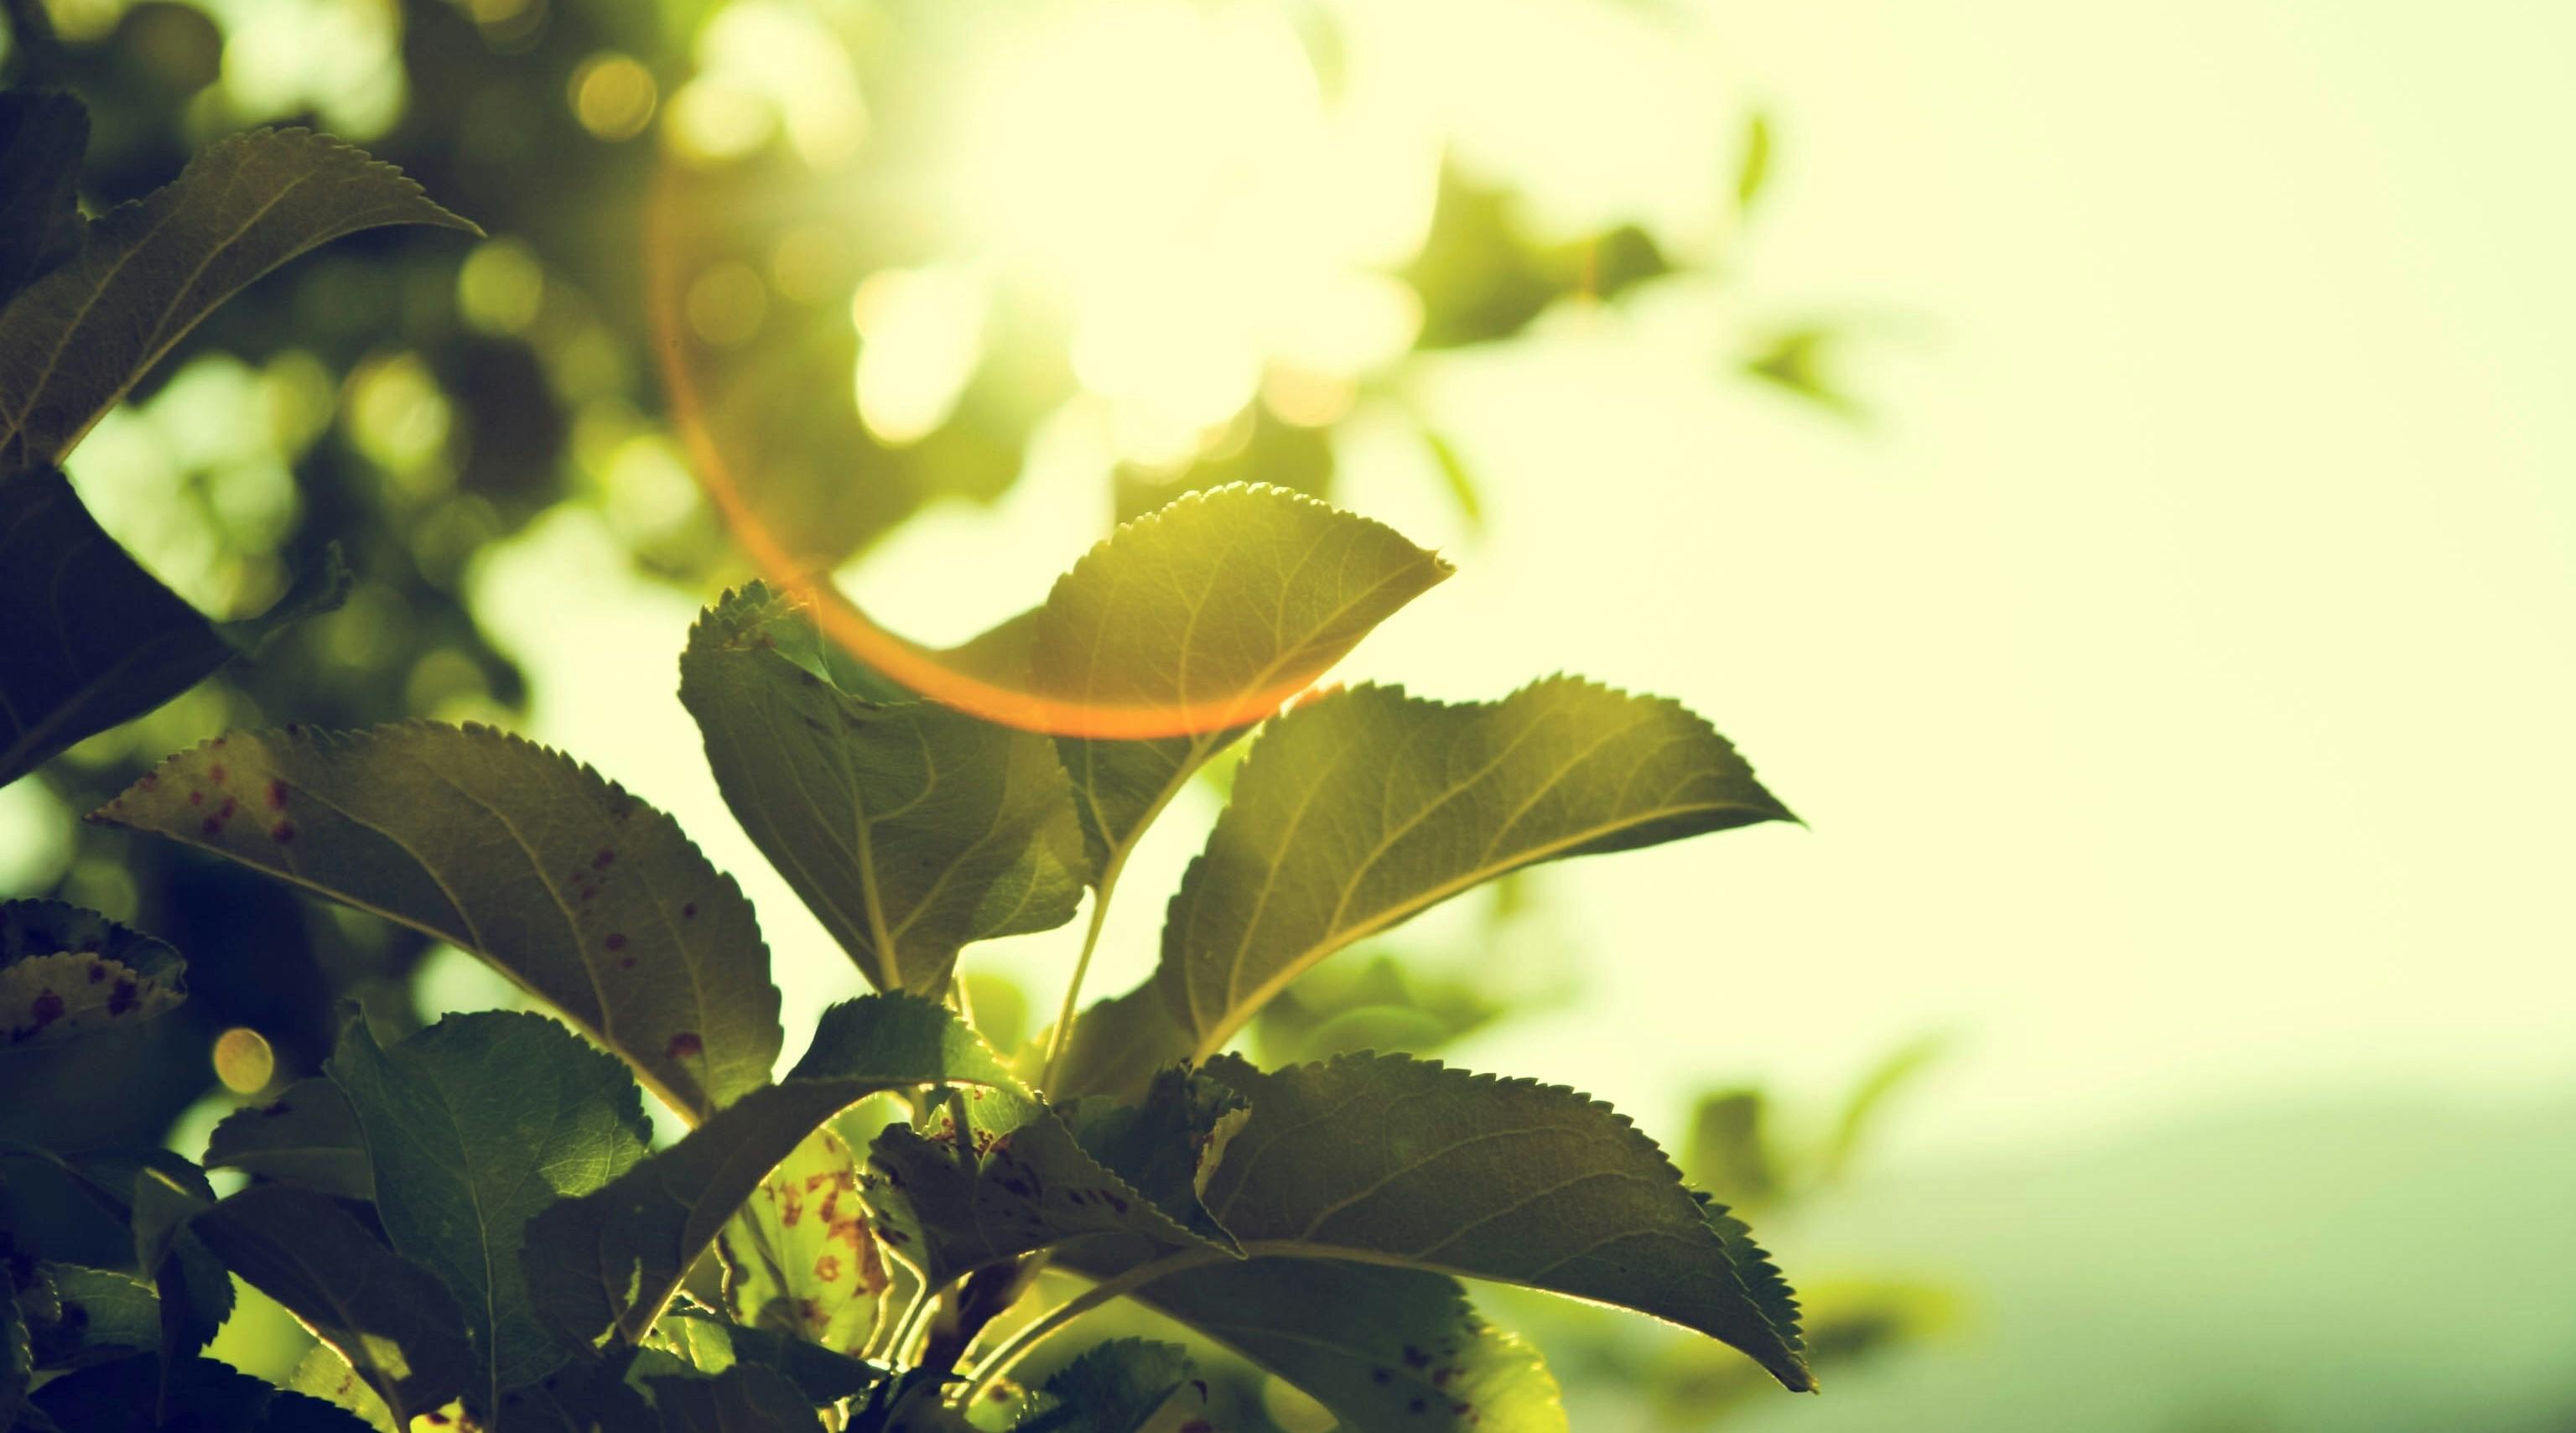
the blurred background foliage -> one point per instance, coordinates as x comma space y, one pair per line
903, 252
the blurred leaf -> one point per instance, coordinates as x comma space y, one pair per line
799, 1256
1729, 1149
1391, 1159
95, 640
65, 972
571, 887
1869, 1098
1457, 476
307, 1136
1112, 1387
124, 1397
612, 1258
1221, 596
1358, 811
949, 1213
711, 1346
472, 1127
745, 1398
1483, 276
1753, 171
93, 1315
395, 1322
910, 829
1387, 1350
1384, 1004
1273, 453
75, 340
1797, 359
17, 1364
1118, 1044
42, 137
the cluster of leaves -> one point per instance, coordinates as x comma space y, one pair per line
472, 1220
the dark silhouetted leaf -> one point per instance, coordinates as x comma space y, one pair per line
1112, 1388
472, 1127
561, 880
909, 828
1167, 1143
1359, 811
393, 1320
125, 1397
94, 639
91, 1316
42, 137
196, 1294
745, 1398
1390, 1159
710, 1346
1387, 1350
611, 1259
1118, 1044
74, 341
308, 1135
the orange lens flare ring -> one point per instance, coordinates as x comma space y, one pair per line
915, 667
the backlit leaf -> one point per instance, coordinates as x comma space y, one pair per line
1111, 1388
910, 828
94, 639
799, 1257
322, 1373
91, 1316
571, 887
74, 341
392, 1319
65, 972
308, 1135
472, 1127
611, 1259
743, 1399
195, 1293
1394, 1160
1222, 596
710, 1346
1118, 1044
1359, 811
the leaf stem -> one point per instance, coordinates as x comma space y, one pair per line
1018, 1346
1057, 1040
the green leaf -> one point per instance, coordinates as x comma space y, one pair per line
95, 639
710, 1346
65, 972
799, 1257
574, 889
1224, 596
196, 1294
1112, 1387
322, 1373
92, 1315
949, 1214
1753, 170
395, 1322
1359, 811
1166, 1144
1119, 1044
1387, 1350
126, 1397
1729, 1147
909, 828
308, 1136
75, 340
743, 1399
611, 1259
42, 137
472, 1127
1392, 1160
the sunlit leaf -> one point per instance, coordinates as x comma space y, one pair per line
74, 341
710, 1346
308, 1135
393, 1320
322, 1373
910, 828
42, 137
94, 639
1221, 596
1359, 811
1387, 1350
65, 972
611, 1259
1390, 1159
560, 879
472, 1127
799, 1257
127, 1396
1111, 1388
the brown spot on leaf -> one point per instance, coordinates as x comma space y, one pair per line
215, 773
47, 1009
689, 912
97, 972
616, 940
626, 962
282, 832
828, 1268
600, 861
277, 796
686, 1046
119, 1000
196, 798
